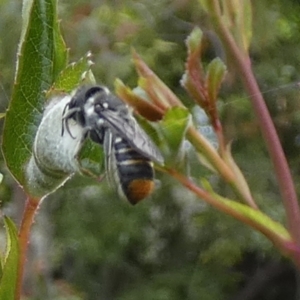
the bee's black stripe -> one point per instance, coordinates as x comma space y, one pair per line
129, 154
124, 152
131, 165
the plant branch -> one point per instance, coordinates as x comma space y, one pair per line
218, 163
31, 207
202, 145
284, 178
274, 231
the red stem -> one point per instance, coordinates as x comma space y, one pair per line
218, 128
24, 235
284, 178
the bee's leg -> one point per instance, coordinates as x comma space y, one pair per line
66, 117
110, 160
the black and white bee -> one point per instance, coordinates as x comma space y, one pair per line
129, 152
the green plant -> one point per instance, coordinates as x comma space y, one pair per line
43, 67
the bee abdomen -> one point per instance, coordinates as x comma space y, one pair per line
138, 189
135, 172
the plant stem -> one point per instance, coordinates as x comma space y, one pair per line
243, 64
24, 235
202, 145
218, 163
282, 241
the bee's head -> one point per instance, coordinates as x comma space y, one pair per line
83, 98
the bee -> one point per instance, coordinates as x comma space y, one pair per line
129, 153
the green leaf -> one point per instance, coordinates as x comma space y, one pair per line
10, 264
150, 128
247, 23
61, 56
205, 4
193, 79
71, 76
41, 56
194, 41
91, 159
237, 16
214, 76
174, 127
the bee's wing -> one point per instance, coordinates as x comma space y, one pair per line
111, 163
129, 129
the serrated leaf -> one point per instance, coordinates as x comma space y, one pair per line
41, 55
10, 265
70, 77
173, 127
61, 56
214, 76
193, 79
194, 41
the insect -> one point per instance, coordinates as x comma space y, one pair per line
129, 153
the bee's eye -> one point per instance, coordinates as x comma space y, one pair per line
93, 90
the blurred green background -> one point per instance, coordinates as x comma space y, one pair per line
86, 243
